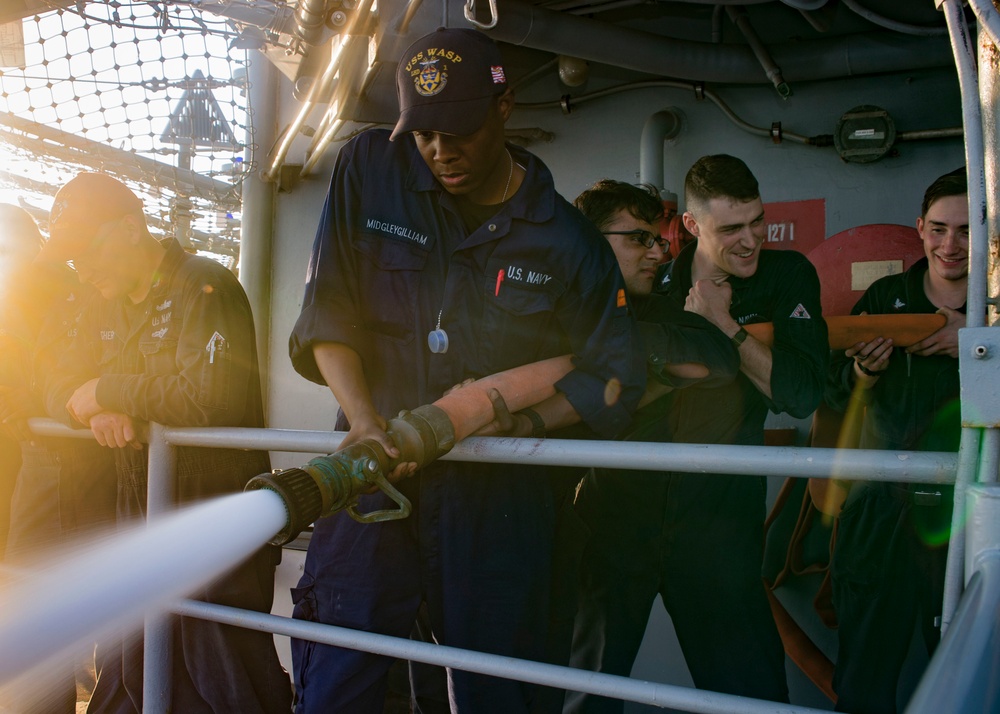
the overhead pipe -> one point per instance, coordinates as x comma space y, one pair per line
741, 19
888, 23
775, 133
310, 16
660, 127
988, 16
317, 90
354, 54
522, 23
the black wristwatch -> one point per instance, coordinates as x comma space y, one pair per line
740, 336
537, 425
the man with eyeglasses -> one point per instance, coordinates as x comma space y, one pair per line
696, 539
620, 571
172, 342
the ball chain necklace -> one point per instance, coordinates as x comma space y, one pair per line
437, 339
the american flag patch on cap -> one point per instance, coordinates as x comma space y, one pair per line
498, 75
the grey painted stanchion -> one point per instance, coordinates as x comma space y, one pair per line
158, 644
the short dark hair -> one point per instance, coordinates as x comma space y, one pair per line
953, 183
719, 176
604, 199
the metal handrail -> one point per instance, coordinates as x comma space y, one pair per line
788, 461
551, 675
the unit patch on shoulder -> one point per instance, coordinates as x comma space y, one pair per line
801, 313
216, 345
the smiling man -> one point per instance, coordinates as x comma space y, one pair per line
707, 531
892, 542
444, 253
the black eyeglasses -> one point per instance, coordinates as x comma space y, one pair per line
643, 238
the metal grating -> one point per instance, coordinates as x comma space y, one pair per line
151, 92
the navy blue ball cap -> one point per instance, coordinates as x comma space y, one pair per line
446, 81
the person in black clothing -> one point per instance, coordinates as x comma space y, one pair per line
692, 539
888, 565
696, 539
171, 342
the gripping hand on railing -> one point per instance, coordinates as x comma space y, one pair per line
115, 430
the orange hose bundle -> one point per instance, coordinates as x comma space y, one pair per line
847, 330
470, 408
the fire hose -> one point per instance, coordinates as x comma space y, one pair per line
331, 483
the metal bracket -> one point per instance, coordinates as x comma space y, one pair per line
979, 361
470, 15
373, 474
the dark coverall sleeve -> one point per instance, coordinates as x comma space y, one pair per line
800, 353
605, 342
330, 305
203, 377
675, 336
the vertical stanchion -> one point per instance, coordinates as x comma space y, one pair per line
158, 644
972, 122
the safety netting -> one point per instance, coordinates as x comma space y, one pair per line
153, 93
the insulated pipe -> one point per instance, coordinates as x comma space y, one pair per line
921, 31
309, 18
660, 127
524, 24
316, 92
989, 96
988, 16
741, 19
974, 152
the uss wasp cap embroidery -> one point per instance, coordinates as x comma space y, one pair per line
446, 81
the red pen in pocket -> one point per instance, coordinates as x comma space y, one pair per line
499, 280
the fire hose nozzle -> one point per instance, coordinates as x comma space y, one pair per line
332, 483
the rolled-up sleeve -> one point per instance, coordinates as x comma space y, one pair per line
330, 305
610, 375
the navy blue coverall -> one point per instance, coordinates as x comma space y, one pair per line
391, 258
697, 539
